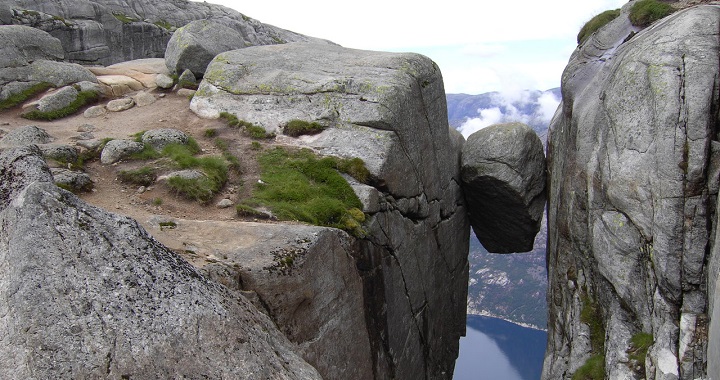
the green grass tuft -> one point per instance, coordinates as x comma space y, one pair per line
252, 130
593, 369
645, 12
639, 345
18, 98
596, 23
591, 316
163, 24
144, 176
300, 186
83, 98
297, 128
210, 133
125, 19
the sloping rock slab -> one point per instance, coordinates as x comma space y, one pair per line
97, 291
503, 174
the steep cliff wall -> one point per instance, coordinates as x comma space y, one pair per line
633, 165
106, 31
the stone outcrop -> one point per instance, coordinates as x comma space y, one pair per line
194, 45
503, 174
89, 294
389, 110
29, 59
633, 166
106, 31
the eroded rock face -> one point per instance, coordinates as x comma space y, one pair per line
633, 188
97, 291
107, 31
389, 110
503, 173
194, 45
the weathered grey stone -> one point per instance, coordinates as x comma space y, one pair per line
186, 92
90, 144
184, 174
103, 32
144, 98
23, 45
225, 203
164, 81
72, 180
159, 138
194, 45
57, 100
95, 111
631, 207
118, 105
187, 79
389, 110
87, 128
503, 174
86, 86
96, 280
116, 150
29, 134
59, 152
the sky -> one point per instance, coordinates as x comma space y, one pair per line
482, 46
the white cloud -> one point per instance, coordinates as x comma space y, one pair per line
548, 105
487, 118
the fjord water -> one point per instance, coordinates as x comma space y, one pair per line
494, 349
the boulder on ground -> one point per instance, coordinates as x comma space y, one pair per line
187, 79
95, 111
503, 175
164, 81
59, 152
119, 105
144, 98
159, 138
57, 100
27, 135
194, 45
72, 180
116, 150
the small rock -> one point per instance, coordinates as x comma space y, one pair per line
86, 128
161, 96
89, 144
187, 79
86, 86
62, 153
85, 136
186, 92
118, 105
141, 190
159, 138
225, 203
116, 150
164, 81
29, 134
143, 99
75, 181
95, 111
184, 174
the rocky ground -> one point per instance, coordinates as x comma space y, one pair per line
157, 203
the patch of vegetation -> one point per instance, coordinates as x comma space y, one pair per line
300, 186
63, 20
593, 369
199, 189
27, 12
596, 23
83, 98
297, 128
125, 19
20, 97
210, 133
163, 24
355, 167
244, 210
233, 161
255, 145
167, 225
157, 201
639, 345
645, 12
144, 176
252, 130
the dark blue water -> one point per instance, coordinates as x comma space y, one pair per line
494, 349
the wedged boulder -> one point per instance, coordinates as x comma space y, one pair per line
503, 175
102, 294
160, 138
631, 203
187, 79
116, 150
194, 45
27, 135
389, 110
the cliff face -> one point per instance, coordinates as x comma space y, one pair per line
633, 166
106, 32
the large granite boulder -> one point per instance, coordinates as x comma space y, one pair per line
97, 291
389, 110
503, 174
632, 159
110, 31
194, 45
28, 63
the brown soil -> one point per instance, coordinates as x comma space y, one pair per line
170, 111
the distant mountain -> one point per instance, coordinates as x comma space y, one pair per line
468, 113
511, 287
